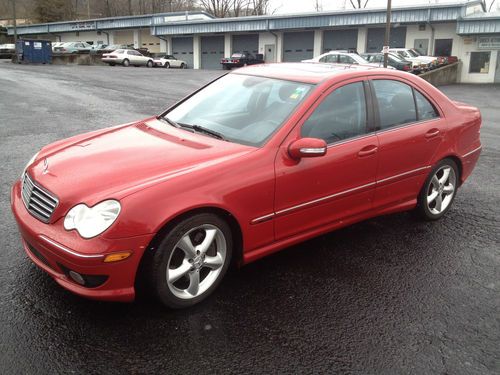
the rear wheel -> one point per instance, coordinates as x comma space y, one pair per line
191, 260
126, 62
439, 190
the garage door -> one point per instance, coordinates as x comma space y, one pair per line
298, 46
376, 39
340, 40
212, 51
246, 43
182, 49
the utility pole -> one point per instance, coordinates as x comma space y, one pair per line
88, 9
15, 19
387, 34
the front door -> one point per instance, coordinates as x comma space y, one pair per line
410, 130
270, 56
317, 192
422, 46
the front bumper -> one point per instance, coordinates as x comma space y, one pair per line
56, 251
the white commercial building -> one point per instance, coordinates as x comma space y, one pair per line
461, 29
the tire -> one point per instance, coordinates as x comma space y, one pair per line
126, 62
200, 268
149, 64
439, 190
183, 66
167, 65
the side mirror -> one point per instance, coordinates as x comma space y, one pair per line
307, 148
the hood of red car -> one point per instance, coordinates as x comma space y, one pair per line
116, 162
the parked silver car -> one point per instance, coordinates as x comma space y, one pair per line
72, 48
127, 57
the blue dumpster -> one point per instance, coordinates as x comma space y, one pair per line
34, 51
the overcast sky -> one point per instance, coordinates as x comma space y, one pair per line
292, 6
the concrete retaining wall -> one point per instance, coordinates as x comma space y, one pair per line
84, 59
442, 76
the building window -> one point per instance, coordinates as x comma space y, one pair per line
479, 62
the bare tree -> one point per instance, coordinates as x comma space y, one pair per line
219, 8
318, 5
359, 4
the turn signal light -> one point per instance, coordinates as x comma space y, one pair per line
116, 257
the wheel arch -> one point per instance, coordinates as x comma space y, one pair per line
172, 221
457, 161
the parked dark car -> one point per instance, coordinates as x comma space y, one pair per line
7, 51
241, 59
107, 49
393, 60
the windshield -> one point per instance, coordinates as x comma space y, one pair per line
413, 53
237, 55
243, 109
398, 58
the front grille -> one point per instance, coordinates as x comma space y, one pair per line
38, 201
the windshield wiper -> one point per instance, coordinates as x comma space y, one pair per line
213, 133
202, 129
170, 122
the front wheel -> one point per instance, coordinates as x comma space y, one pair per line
439, 190
149, 64
126, 62
167, 65
191, 260
183, 66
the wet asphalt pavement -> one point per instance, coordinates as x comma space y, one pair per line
389, 295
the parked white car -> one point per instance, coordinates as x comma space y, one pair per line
341, 57
412, 55
127, 57
169, 61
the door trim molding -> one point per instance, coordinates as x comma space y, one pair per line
272, 215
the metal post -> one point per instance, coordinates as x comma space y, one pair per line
88, 9
387, 34
15, 19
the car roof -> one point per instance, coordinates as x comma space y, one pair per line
305, 72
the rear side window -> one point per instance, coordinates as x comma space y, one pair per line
425, 109
341, 115
395, 103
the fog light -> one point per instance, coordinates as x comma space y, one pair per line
77, 278
116, 257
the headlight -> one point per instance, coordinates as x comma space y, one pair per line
92, 221
32, 160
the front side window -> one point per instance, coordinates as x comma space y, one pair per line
395, 103
329, 59
479, 62
243, 109
341, 115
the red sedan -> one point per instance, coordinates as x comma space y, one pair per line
259, 159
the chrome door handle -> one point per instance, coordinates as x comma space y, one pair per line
368, 150
432, 133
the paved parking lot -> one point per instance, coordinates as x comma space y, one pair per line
389, 295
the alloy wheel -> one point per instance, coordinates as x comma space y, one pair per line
196, 261
441, 189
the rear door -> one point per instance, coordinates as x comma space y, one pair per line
410, 129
